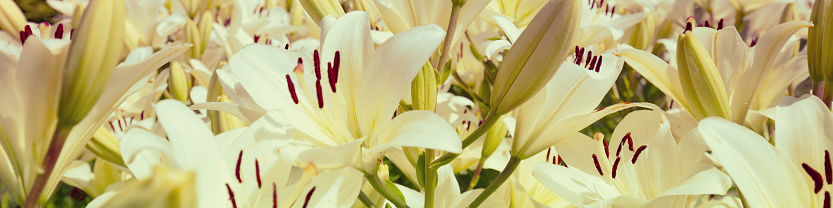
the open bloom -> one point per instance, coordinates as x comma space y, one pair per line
754, 78
796, 171
642, 166
347, 91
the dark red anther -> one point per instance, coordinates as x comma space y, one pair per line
826, 199
636, 154
59, 32
754, 42
818, 181
257, 172
707, 24
22, 37
317, 63
589, 54
612, 11
72, 33
28, 30
286, 47
687, 26
601, 3
257, 37
237, 168
599, 65
319, 93
274, 195
309, 195
607, 152
336, 65
548, 153
607, 9
630, 143
615, 165
593, 63
828, 167
593, 4
331, 76
231, 196
598, 167
720, 24
291, 87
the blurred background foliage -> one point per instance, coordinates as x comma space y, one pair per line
37, 10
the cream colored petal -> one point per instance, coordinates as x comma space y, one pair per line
656, 71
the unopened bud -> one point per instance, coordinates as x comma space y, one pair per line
424, 89
178, 84
228, 121
643, 33
493, 138
11, 18
701, 82
820, 41
318, 9
204, 27
192, 35
93, 54
536, 55
106, 146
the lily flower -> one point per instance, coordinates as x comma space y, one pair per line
239, 168
30, 108
641, 166
335, 98
796, 171
754, 78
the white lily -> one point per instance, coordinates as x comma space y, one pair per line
644, 167
242, 167
336, 96
401, 15
795, 172
30, 108
523, 190
754, 78
448, 192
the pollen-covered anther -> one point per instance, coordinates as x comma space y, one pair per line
636, 154
308, 197
720, 24
237, 168
257, 173
615, 166
291, 87
598, 166
231, 196
319, 93
274, 195
59, 32
817, 180
317, 63
828, 167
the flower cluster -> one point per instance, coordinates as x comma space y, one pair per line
417, 103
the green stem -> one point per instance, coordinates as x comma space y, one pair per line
490, 120
377, 184
430, 179
504, 175
49, 162
366, 200
449, 36
818, 88
476, 176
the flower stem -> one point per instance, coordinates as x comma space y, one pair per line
430, 178
490, 120
514, 161
476, 176
449, 36
49, 162
377, 184
818, 88
827, 93
366, 200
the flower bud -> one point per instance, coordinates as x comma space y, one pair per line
192, 35
178, 83
820, 41
228, 121
493, 138
167, 188
536, 55
424, 89
204, 27
93, 54
106, 146
701, 82
790, 13
642, 36
318, 9
11, 18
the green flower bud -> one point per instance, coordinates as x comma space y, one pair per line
192, 35
493, 138
424, 89
93, 54
536, 55
106, 146
820, 41
701, 82
204, 27
642, 36
228, 121
178, 84
318, 9
11, 18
